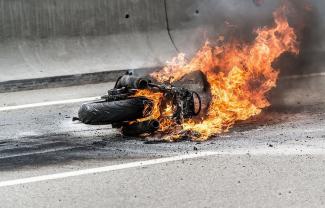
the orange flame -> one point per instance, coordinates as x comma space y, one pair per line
239, 75
156, 98
157, 112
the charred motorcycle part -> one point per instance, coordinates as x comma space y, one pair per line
132, 82
118, 94
183, 100
116, 109
139, 128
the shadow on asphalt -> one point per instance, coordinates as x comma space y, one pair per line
53, 149
57, 149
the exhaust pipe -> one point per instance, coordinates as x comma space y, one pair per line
136, 129
132, 82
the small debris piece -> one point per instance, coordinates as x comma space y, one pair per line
75, 119
195, 148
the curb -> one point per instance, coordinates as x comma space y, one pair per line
68, 80
60, 81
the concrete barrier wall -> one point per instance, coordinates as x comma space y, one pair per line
46, 38
197, 21
54, 18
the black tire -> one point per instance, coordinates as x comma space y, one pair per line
103, 112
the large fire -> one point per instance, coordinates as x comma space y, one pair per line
239, 76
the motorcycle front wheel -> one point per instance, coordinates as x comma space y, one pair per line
103, 112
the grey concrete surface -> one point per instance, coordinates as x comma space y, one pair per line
55, 38
40, 39
273, 160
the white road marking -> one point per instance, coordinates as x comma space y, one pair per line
299, 150
313, 130
58, 102
103, 169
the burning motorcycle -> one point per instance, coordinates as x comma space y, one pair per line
126, 107
237, 74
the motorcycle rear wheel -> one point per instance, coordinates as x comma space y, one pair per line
103, 112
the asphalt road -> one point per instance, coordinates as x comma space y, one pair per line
274, 160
